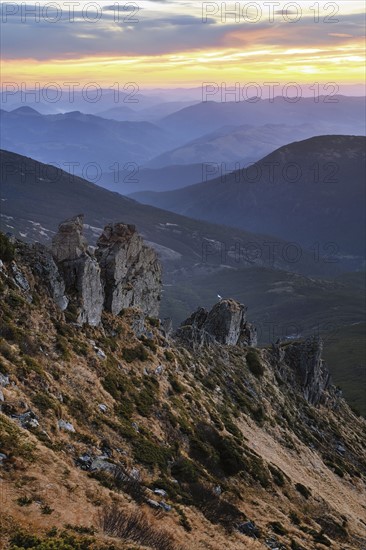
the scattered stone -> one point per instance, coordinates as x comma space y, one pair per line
160, 492
340, 449
103, 407
84, 461
2, 399
153, 503
100, 353
165, 506
28, 420
135, 426
101, 464
3, 457
135, 474
249, 529
4, 380
159, 369
217, 490
66, 426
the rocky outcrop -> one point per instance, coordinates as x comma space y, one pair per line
80, 270
47, 269
300, 365
225, 324
69, 242
122, 272
131, 272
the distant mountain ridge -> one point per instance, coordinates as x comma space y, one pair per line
310, 192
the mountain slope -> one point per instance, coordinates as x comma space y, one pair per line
116, 436
34, 196
310, 192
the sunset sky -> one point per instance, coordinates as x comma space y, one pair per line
163, 43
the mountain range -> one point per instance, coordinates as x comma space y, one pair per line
309, 192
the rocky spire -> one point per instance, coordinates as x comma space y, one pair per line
224, 324
131, 271
80, 271
300, 364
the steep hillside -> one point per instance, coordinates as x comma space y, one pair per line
309, 191
35, 196
123, 436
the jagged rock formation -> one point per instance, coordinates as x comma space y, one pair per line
307, 370
47, 268
122, 273
224, 324
69, 242
131, 271
80, 271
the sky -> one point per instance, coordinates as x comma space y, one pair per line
182, 43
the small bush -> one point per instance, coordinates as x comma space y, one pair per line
322, 539
213, 507
13, 441
151, 454
7, 249
277, 476
304, 491
138, 353
185, 470
176, 385
134, 526
254, 363
44, 403
169, 356
278, 528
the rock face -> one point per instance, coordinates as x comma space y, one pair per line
46, 267
225, 324
123, 272
80, 270
69, 242
131, 272
305, 368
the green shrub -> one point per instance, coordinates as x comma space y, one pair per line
254, 363
322, 539
176, 385
149, 343
278, 528
304, 491
44, 403
13, 441
277, 476
147, 398
185, 470
150, 454
138, 353
169, 356
7, 249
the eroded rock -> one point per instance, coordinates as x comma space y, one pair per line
225, 324
131, 271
